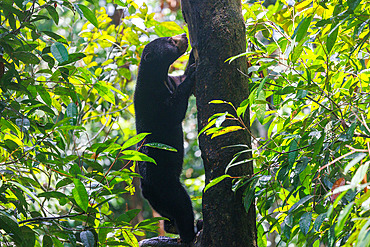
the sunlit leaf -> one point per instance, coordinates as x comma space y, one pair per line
215, 181
105, 92
160, 146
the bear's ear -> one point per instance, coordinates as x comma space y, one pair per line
148, 57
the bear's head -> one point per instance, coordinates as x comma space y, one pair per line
164, 51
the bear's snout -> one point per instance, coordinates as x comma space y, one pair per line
181, 42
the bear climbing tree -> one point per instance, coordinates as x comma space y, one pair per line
160, 106
217, 32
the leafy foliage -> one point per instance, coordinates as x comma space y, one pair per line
310, 88
63, 107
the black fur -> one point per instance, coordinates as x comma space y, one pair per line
160, 103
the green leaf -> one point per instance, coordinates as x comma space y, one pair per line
332, 37
260, 88
215, 181
318, 145
261, 236
28, 236
56, 37
26, 190
52, 194
74, 57
305, 222
47, 241
129, 215
342, 218
161, 146
318, 222
293, 152
352, 4
80, 195
72, 112
151, 221
45, 96
364, 235
249, 194
136, 156
87, 238
53, 13
26, 57
358, 158
105, 92
63, 182
130, 238
301, 31
260, 109
300, 202
360, 173
296, 53
10, 226
89, 15
59, 52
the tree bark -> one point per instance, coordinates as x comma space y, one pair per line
217, 32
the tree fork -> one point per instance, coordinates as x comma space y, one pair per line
217, 32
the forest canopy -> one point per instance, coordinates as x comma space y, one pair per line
68, 145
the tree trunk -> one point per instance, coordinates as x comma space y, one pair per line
217, 32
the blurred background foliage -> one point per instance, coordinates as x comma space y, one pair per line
67, 132
67, 136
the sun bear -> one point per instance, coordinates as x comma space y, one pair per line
160, 103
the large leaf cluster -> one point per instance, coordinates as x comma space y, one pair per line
65, 116
309, 88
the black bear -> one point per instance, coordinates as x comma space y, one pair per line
160, 104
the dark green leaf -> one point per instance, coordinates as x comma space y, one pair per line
318, 222
128, 216
56, 37
63, 182
332, 37
53, 13
89, 15
80, 194
249, 194
28, 236
52, 194
10, 226
305, 222
293, 151
301, 31
47, 241
300, 202
352, 4
73, 58
26, 57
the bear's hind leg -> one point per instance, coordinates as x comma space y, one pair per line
170, 199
